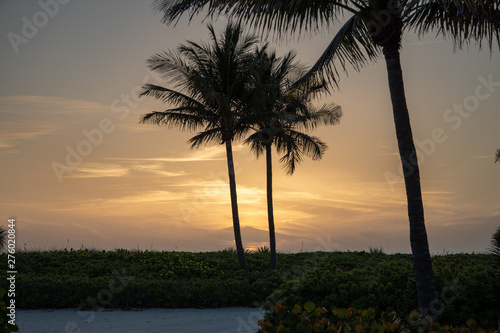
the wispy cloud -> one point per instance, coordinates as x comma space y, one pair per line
29, 117
46, 105
98, 170
92, 230
149, 197
13, 133
158, 169
214, 153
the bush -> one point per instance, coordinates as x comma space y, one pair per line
384, 285
317, 319
466, 284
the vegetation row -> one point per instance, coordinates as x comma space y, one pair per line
468, 284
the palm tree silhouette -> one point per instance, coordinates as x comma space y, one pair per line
210, 86
373, 28
286, 110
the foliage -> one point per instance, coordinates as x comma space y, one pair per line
310, 318
495, 244
3, 237
466, 284
262, 249
4, 314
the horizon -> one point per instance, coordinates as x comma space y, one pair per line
71, 87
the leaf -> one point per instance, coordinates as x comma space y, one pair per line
394, 326
369, 313
296, 309
376, 328
320, 310
342, 313
471, 323
309, 307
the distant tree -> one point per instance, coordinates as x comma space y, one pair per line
495, 245
287, 113
210, 86
3, 237
372, 28
497, 158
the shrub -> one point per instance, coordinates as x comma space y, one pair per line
317, 319
466, 284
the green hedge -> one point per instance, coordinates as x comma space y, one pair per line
467, 285
309, 318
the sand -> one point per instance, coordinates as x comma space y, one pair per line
224, 320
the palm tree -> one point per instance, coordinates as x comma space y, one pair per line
497, 157
289, 111
372, 28
210, 84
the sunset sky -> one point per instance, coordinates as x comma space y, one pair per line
70, 77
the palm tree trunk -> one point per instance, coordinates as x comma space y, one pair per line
422, 263
270, 212
234, 207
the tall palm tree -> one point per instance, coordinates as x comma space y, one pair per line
372, 28
288, 111
210, 83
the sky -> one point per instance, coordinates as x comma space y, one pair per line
78, 170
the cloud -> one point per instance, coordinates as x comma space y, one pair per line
29, 117
215, 153
46, 105
98, 170
13, 132
92, 230
157, 168
149, 197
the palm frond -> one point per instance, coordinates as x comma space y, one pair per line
295, 144
206, 137
167, 95
464, 22
293, 16
327, 114
179, 118
255, 142
351, 45
495, 244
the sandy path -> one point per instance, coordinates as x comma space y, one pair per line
225, 320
